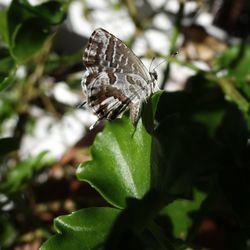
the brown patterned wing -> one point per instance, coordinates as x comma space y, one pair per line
110, 101
115, 79
105, 51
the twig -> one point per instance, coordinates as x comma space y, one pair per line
175, 33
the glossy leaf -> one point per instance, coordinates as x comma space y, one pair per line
121, 162
85, 229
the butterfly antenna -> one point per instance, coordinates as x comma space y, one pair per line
172, 55
151, 63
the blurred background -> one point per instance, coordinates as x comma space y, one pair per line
44, 136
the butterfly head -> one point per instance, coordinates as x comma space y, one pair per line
153, 75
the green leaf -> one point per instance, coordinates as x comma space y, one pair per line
135, 223
121, 162
21, 173
234, 177
6, 81
7, 232
52, 12
211, 119
16, 14
6, 62
182, 150
149, 110
3, 27
7, 69
29, 26
85, 229
29, 39
7, 109
236, 61
179, 213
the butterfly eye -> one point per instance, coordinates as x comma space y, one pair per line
154, 75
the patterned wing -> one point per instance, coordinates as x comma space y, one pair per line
105, 51
110, 101
115, 80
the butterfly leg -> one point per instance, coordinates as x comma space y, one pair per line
79, 106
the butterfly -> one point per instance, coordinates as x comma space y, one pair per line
115, 79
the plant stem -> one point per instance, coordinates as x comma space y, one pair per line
175, 33
231, 93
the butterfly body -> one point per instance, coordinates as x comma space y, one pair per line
115, 79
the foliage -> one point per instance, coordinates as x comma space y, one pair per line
185, 163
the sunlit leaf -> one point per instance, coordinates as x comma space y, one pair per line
85, 229
121, 162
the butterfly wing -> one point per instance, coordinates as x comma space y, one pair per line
110, 101
116, 79
105, 51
